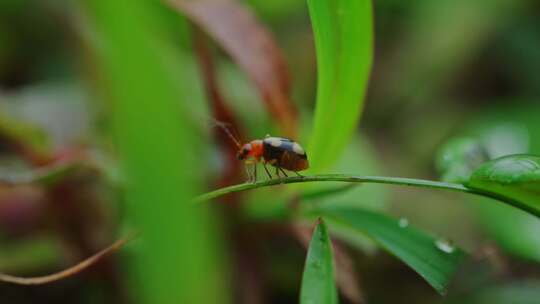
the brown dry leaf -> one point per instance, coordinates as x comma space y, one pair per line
252, 47
220, 111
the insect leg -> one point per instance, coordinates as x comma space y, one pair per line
248, 173
267, 172
300, 175
254, 172
284, 173
278, 175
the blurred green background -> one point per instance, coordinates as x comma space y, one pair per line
127, 92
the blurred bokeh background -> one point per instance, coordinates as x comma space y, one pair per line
90, 85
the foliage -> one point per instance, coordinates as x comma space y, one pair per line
515, 176
123, 139
434, 259
141, 88
318, 284
344, 43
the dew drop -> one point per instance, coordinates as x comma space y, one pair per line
403, 222
445, 246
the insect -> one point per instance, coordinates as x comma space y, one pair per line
279, 152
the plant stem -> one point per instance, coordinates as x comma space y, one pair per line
331, 178
411, 182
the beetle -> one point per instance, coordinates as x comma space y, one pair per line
279, 152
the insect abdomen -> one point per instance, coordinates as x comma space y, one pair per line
285, 153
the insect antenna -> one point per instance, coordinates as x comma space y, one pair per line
224, 127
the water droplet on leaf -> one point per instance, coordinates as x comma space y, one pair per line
445, 246
403, 222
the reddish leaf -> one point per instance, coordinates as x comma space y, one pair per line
21, 208
252, 47
220, 111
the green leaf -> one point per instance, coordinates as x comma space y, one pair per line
458, 158
343, 33
434, 259
513, 176
318, 284
148, 83
497, 136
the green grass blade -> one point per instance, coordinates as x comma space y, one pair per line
343, 33
318, 283
176, 260
435, 260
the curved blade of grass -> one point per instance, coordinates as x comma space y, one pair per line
332, 178
435, 260
412, 182
343, 33
318, 281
